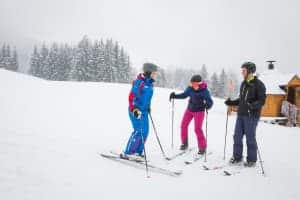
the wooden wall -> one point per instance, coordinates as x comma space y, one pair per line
272, 106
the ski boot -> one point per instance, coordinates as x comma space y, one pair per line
201, 151
234, 161
184, 146
249, 164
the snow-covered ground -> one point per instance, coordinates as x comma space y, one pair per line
50, 133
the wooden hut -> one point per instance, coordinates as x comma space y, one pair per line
275, 90
293, 93
279, 87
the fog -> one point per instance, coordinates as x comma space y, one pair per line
218, 33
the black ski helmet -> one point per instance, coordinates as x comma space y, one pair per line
196, 78
250, 66
149, 67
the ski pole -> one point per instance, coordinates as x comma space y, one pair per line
260, 160
226, 132
230, 86
163, 153
145, 155
206, 134
172, 145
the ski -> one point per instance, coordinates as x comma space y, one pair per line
141, 165
129, 157
206, 168
233, 170
181, 153
196, 158
230, 173
228, 170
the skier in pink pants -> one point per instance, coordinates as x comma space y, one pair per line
199, 101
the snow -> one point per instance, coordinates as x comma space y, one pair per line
50, 133
273, 79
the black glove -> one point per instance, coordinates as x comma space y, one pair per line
137, 113
206, 106
228, 102
172, 96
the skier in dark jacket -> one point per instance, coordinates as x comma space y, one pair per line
250, 102
139, 107
200, 100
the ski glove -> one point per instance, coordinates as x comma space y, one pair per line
207, 107
172, 96
230, 102
137, 113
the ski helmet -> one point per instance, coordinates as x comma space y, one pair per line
196, 78
250, 66
149, 67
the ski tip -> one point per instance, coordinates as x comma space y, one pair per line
226, 173
205, 167
177, 174
187, 162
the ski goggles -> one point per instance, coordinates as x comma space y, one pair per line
195, 84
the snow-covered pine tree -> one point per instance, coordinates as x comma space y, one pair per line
115, 62
160, 78
131, 70
2, 56
65, 62
43, 61
108, 69
223, 85
83, 60
181, 78
124, 67
101, 64
232, 76
7, 57
214, 84
204, 73
34, 63
14, 60
95, 61
53, 63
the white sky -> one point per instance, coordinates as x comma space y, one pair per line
219, 33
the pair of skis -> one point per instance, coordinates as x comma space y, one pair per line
191, 160
196, 158
141, 164
130, 161
180, 153
228, 170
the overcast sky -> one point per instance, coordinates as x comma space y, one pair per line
187, 33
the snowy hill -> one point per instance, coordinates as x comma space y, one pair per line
50, 133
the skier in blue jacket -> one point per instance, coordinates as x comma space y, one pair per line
139, 107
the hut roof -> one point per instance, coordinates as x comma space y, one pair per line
273, 79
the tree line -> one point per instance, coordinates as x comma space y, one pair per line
9, 58
107, 61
